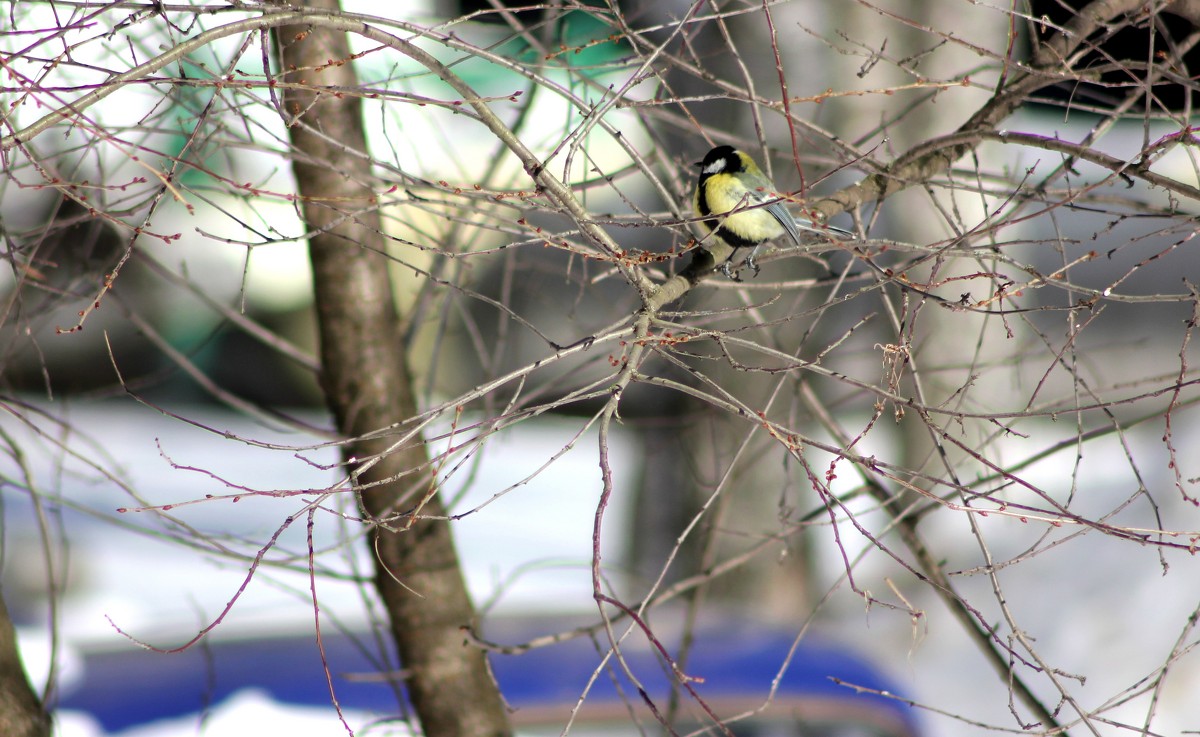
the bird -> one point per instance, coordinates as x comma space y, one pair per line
732, 187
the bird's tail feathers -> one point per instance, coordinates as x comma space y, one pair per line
827, 230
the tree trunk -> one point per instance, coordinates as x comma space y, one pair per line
367, 386
21, 713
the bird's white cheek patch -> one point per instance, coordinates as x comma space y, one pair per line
714, 167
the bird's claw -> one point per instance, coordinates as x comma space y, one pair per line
749, 263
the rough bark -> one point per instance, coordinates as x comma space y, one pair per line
21, 712
367, 385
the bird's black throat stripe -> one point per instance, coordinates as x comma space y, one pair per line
733, 239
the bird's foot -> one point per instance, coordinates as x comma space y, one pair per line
728, 271
751, 264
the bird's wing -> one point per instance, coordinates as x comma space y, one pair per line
780, 213
792, 225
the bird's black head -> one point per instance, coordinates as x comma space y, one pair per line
720, 159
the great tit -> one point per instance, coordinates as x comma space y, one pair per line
732, 187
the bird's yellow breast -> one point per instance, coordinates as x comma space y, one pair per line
725, 194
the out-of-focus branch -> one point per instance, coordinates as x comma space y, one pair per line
69, 112
929, 159
922, 163
1055, 50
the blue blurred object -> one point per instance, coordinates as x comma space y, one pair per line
733, 665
